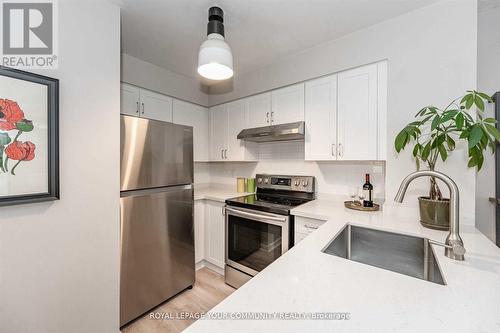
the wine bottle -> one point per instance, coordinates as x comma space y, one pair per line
368, 192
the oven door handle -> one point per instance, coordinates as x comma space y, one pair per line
266, 217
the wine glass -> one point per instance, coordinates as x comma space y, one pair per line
361, 195
353, 192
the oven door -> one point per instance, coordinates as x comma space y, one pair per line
254, 239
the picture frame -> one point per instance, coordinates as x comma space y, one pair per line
29, 137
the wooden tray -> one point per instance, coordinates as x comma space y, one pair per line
356, 205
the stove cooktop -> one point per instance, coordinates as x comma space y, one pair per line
268, 203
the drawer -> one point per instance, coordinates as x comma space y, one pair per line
304, 225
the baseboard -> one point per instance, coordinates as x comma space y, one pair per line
210, 266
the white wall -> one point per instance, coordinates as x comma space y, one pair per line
59, 261
147, 75
488, 80
288, 158
428, 63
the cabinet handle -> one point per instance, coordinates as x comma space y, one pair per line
311, 226
136, 107
225, 154
341, 150
222, 153
334, 146
272, 117
142, 107
267, 116
494, 200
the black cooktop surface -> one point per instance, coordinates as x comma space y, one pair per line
269, 202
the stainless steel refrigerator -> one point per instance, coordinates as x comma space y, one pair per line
156, 203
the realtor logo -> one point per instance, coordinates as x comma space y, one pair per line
28, 34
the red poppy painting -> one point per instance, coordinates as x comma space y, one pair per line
29, 167
12, 120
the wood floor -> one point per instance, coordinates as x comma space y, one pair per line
208, 291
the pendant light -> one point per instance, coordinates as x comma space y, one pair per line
215, 60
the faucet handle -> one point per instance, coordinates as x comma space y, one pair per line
455, 246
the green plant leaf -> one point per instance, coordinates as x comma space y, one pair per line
472, 162
475, 135
479, 103
450, 142
426, 151
447, 116
493, 131
469, 101
400, 141
435, 122
442, 152
490, 120
485, 96
459, 121
416, 149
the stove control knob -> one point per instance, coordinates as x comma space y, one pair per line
266, 180
259, 180
296, 183
305, 183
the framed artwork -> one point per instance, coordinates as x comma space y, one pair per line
29, 137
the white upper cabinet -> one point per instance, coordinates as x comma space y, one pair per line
189, 114
357, 113
156, 106
129, 100
258, 110
218, 132
287, 104
144, 103
346, 115
226, 122
236, 123
320, 119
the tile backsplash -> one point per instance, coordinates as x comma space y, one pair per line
287, 158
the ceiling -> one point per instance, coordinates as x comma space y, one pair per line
168, 33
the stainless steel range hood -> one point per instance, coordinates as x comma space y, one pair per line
282, 132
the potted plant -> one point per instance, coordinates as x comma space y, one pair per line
434, 134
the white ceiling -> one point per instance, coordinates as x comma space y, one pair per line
168, 33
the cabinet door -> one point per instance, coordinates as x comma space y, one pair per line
199, 230
236, 123
258, 110
320, 115
156, 106
357, 113
287, 104
214, 232
189, 114
218, 132
129, 100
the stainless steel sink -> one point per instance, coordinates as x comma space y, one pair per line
409, 255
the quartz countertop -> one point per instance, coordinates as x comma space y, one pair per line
216, 192
305, 279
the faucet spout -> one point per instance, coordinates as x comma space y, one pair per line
455, 249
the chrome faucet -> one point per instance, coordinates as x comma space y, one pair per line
454, 246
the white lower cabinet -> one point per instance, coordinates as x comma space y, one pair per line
305, 226
209, 221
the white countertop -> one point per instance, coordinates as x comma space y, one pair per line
216, 192
306, 280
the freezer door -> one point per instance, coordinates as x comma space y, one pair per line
157, 255
154, 153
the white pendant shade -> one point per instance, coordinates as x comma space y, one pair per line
215, 60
